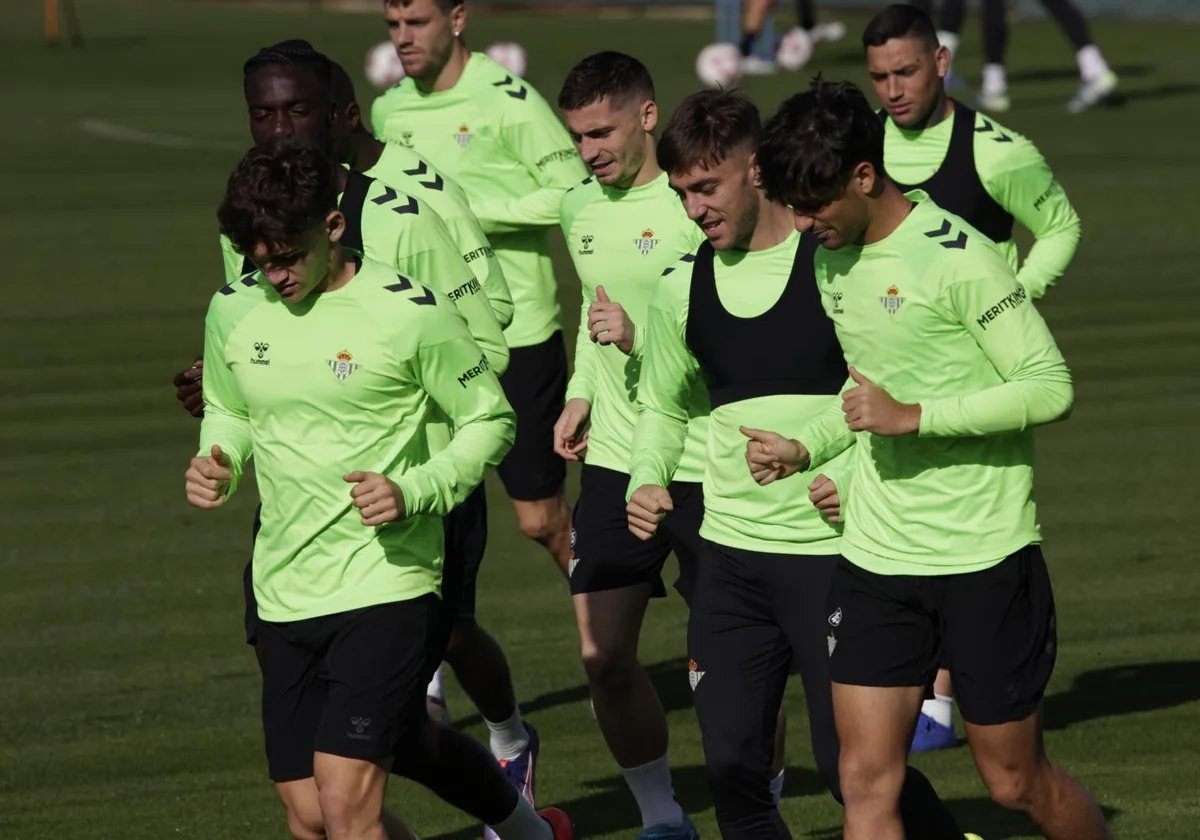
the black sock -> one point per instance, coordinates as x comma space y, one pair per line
806, 15
748, 40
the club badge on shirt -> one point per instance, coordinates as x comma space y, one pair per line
646, 242
892, 300
463, 136
342, 365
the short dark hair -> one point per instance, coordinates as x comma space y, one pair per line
706, 128
341, 86
444, 5
609, 75
810, 148
277, 194
291, 53
900, 20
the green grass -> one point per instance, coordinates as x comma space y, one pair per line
128, 703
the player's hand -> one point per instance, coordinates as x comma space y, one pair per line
823, 493
378, 498
189, 389
207, 479
570, 432
771, 456
647, 507
609, 324
869, 408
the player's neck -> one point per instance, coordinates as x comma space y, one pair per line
940, 112
342, 268
366, 151
775, 224
451, 71
888, 212
650, 169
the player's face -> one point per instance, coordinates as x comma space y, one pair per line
722, 200
907, 77
844, 220
287, 102
296, 270
612, 140
423, 34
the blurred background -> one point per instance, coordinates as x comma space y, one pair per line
128, 700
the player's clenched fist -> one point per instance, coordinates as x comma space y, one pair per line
570, 432
771, 456
189, 388
869, 408
647, 506
208, 479
823, 493
378, 498
609, 324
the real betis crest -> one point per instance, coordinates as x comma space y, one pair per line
463, 136
647, 242
892, 300
694, 674
342, 365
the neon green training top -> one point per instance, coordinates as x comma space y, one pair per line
623, 240
934, 315
501, 142
343, 381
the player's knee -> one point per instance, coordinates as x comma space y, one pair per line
608, 666
735, 777
344, 810
305, 823
863, 777
463, 637
1014, 788
544, 520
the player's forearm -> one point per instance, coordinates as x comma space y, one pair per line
1045, 397
582, 384
485, 329
1050, 256
513, 215
445, 480
658, 441
495, 286
826, 436
232, 434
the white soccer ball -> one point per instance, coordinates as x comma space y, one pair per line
719, 65
383, 67
795, 49
510, 56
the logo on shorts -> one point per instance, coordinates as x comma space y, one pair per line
832, 643
572, 560
360, 725
836, 618
694, 674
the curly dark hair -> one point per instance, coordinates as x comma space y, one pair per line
811, 147
276, 196
614, 76
706, 128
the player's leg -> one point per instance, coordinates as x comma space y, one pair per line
949, 31
351, 796
806, 19
533, 475
755, 16
882, 642
613, 577
1098, 79
1000, 626
739, 667
993, 96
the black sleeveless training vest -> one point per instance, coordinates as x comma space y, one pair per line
956, 187
789, 349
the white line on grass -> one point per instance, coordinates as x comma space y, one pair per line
114, 131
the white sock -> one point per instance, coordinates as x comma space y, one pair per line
1091, 63
777, 788
940, 708
995, 80
435, 689
651, 787
524, 824
949, 40
509, 738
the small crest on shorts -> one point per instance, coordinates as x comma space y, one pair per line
836, 618
572, 562
832, 643
694, 674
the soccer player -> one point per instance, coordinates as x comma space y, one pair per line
755, 19
623, 226
952, 368
973, 167
494, 134
327, 369
741, 317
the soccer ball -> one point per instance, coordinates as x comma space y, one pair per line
383, 65
795, 49
719, 65
510, 56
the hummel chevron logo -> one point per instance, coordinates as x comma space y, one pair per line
987, 127
389, 195
960, 242
515, 94
422, 168
406, 285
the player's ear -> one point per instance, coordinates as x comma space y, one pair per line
941, 60
865, 178
335, 225
353, 116
458, 19
649, 115
755, 171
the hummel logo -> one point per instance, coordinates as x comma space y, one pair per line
360, 725
959, 242
586, 242
261, 348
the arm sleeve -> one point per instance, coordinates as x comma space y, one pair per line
583, 381
226, 420
545, 149
1037, 389
669, 371
826, 436
449, 368
481, 259
1030, 192
440, 266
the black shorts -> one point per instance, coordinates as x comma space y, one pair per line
536, 386
350, 684
996, 629
466, 541
251, 616
606, 555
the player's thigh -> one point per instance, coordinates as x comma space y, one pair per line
681, 527
379, 665
291, 656
466, 531
536, 386
881, 630
604, 553
302, 802
351, 791
1000, 631
1008, 755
